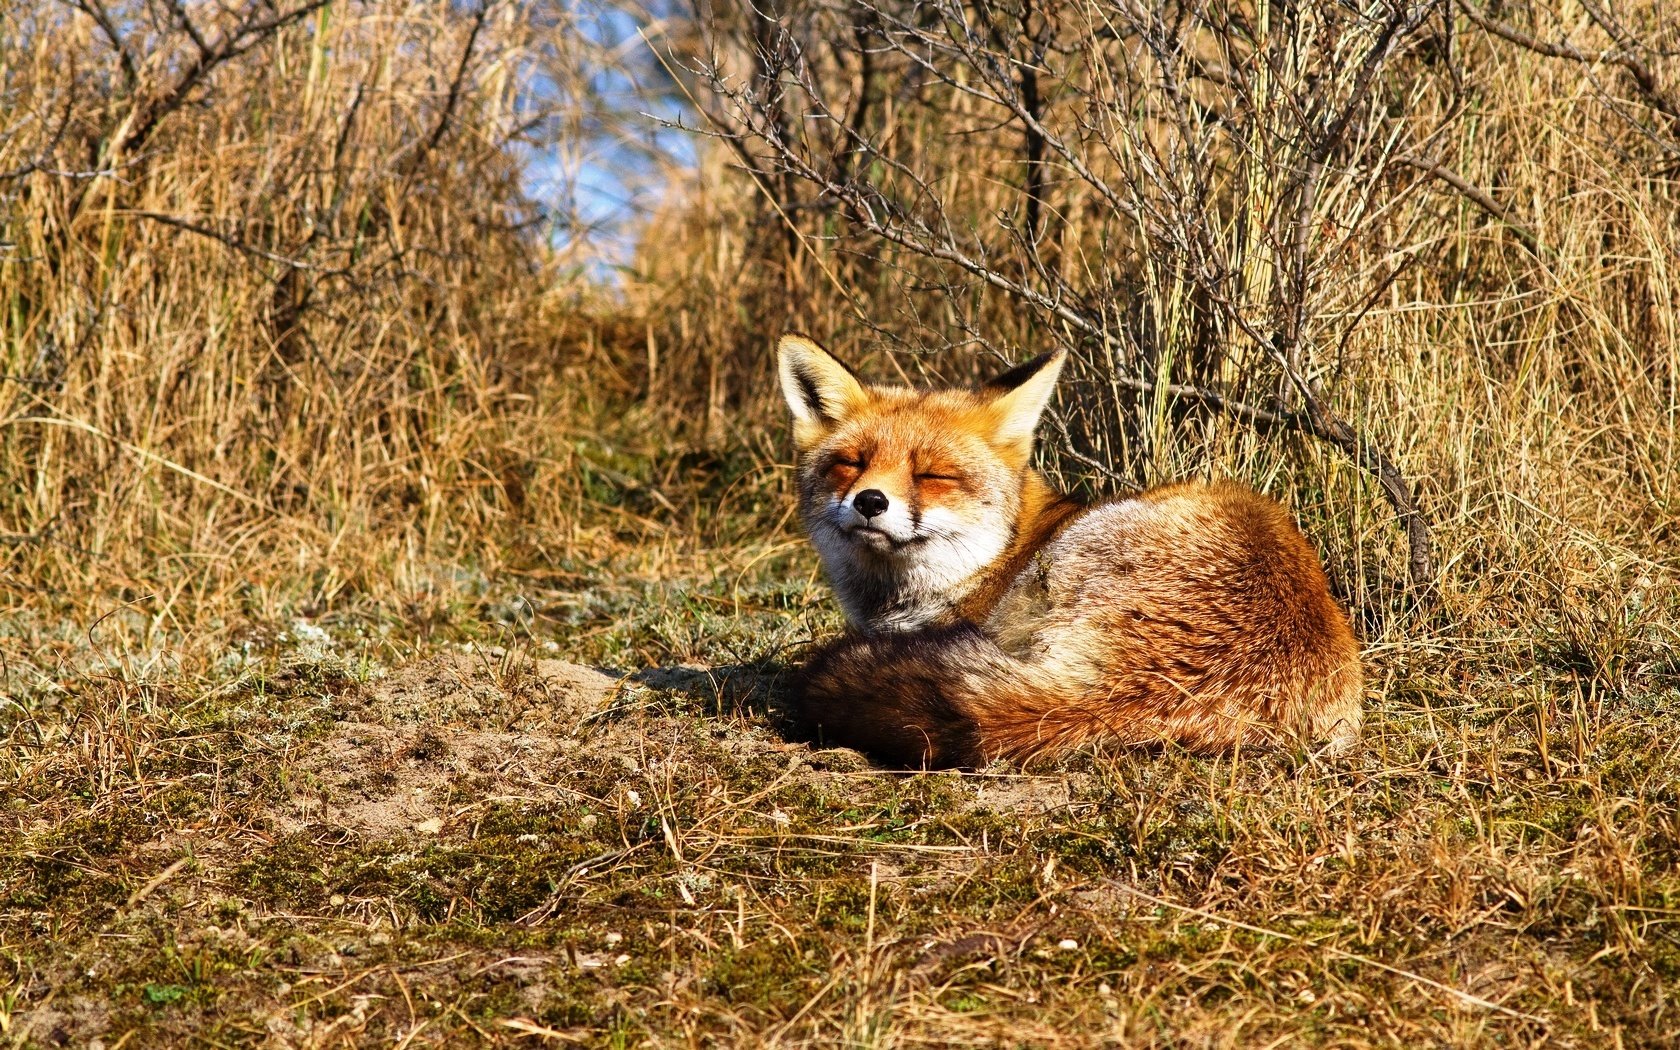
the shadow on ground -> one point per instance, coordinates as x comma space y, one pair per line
731, 690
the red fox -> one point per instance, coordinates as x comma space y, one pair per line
994, 617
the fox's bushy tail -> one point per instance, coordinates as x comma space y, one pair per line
951, 697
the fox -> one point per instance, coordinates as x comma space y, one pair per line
991, 616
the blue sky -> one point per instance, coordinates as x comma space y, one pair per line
606, 170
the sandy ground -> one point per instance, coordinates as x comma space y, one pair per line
420, 759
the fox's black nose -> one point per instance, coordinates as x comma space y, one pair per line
870, 502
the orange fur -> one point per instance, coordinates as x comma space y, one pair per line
996, 617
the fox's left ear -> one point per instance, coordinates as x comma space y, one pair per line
1019, 396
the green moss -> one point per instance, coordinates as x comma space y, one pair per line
767, 974
292, 873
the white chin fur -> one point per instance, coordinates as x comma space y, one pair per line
877, 541
922, 566
885, 531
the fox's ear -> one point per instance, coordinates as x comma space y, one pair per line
1019, 396
820, 391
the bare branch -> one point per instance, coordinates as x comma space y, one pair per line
1208, 253
151, 108
1479, 197
454, 99
236, 243
95, 10
1624, 54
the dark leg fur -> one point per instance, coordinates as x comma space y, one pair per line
895, 697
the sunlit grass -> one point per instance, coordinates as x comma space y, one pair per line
280, 544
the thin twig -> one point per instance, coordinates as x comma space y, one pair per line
1479, 197
1649, 89
235, 243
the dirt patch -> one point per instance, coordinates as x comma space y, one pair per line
488, 690
421, 747
518, 832
1027, 793
483, 846
439, 737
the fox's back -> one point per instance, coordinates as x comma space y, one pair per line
1198, 593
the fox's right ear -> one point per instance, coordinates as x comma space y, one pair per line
820, 391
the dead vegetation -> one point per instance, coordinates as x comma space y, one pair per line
486, 846
391, 618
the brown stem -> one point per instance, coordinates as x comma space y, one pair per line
1477, 196
1649, 89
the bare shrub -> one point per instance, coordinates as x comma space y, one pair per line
276, 300
1230, 213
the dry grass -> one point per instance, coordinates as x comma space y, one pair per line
256, 496
296, 344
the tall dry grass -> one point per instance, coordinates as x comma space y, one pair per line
1521, 366
306, 339
280, 324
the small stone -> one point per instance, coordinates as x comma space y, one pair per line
1068, 944
336, 900
614, 937
429, 827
